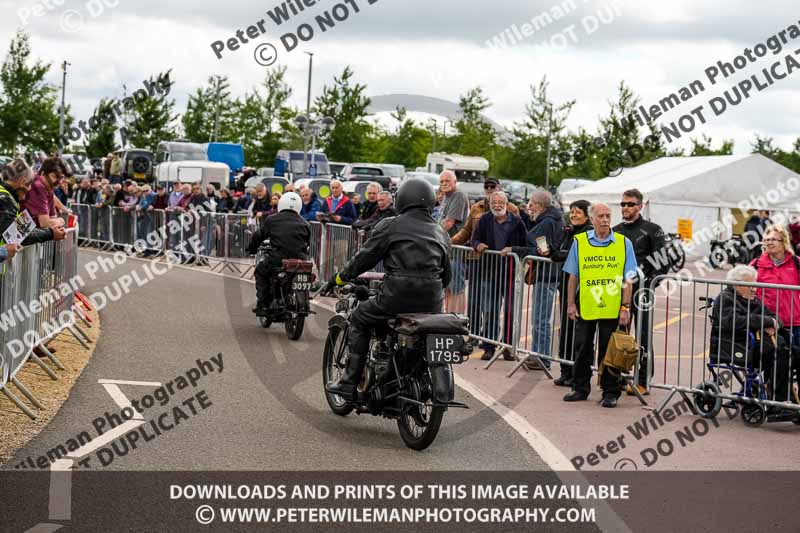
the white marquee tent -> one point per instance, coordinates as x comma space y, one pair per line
701, 189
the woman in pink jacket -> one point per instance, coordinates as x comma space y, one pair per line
779, 265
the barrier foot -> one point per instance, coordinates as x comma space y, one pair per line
52, 357
24, 390
630, 383
666, 400
75, 330
35, 359
22, 407
520, 364
497, 354
79, 312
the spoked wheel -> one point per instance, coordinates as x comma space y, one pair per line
708, 402
718, 257
754, 415
680, 261
333, 364
295, 323
419, 424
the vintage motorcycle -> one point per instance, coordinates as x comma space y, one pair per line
291, 294
408, 375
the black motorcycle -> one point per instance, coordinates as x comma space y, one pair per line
291, 291
408, 375
675, 252
733, 251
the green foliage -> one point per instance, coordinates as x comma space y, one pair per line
208, 106
150, 119
28, 105
100, 141
474, 136
345, 102
703, 147
765, 146
264, 122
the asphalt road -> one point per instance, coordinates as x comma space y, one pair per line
267, 408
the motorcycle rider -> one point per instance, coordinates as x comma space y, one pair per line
414, 249
289, 238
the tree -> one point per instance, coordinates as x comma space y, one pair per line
28, 105
264, 122
409, 145
151, 118
208, 108
345, 102
101, 139
703, 147
475, 136
527, 157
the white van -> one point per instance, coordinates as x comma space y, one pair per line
191, 172
470, 171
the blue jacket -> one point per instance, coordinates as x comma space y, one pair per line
549, 225
309, 210
484, 233
345, 209
146, 200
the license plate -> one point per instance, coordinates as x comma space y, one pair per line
139, 175
301, 282
444, 349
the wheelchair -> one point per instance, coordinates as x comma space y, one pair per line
752, 390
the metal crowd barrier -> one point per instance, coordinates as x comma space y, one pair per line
339, 245
735, 361
36, 304
485, 287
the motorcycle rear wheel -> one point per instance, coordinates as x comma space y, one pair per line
419, 425
332, 368
295, 323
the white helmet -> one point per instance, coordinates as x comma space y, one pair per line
290, 200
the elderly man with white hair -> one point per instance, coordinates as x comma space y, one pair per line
337, 207
745, 332
600, 265
497, 230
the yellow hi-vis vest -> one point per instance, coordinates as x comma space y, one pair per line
3, 190
601, 270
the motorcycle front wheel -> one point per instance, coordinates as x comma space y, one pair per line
419, 424
333, 364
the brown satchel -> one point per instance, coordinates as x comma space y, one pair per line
621, 353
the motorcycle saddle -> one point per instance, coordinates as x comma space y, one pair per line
431, 323
297, 265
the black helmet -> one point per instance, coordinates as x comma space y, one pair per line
415, 192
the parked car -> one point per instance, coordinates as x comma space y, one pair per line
137, 165
321, 186
78, 165
267, 172
289, 164
430, 177
396, 172
367, 172
518, 192
274, 184
180, 151
337, 167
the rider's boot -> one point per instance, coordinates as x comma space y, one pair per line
346, 386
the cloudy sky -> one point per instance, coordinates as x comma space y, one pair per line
434, 48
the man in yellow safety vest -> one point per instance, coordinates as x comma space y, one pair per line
600, 264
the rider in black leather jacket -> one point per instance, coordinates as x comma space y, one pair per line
290, 237
414, 250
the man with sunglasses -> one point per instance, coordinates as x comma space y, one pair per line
648, 241
40, 201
